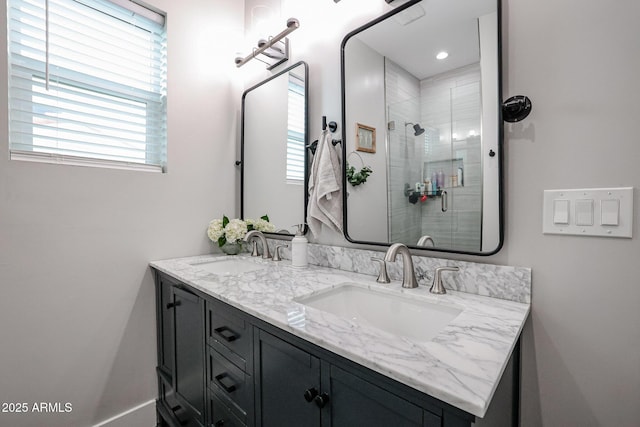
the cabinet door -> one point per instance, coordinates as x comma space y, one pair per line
164, 298
359, 403
188, 338
287, 380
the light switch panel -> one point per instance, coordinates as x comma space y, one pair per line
605, 212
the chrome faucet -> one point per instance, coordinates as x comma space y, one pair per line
253, 234
425, 239
408, 275
436, 286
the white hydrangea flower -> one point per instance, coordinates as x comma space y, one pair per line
262, 225
235, 230
215, 230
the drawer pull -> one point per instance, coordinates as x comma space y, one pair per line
175, 410
219, 423
310, 394
228, 388
227, 334
174, 304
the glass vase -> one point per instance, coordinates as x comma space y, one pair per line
232, 248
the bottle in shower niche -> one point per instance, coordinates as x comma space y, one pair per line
440, 179
434, 182
299, 248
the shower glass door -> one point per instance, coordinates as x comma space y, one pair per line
435, 178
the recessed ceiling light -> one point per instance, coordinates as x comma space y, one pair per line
442, 55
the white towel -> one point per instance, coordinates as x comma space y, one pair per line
325, 188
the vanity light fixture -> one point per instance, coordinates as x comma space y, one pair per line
442, 55
273, 51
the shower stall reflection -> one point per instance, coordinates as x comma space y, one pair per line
440, 152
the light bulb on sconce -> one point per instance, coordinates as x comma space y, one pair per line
262, 17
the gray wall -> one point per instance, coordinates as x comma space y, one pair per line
579, 61
77, 315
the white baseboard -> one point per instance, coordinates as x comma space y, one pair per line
143, 415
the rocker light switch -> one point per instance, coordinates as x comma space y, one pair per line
610, 212
561, 212
584, 212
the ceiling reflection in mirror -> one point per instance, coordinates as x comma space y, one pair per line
426, 78
274, 137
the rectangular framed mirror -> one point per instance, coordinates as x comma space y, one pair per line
427, 76
274, 138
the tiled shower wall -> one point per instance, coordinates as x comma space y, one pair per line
405, 152
445, 105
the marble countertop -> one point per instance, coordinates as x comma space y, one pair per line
461, 365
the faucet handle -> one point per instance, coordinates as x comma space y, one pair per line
437, 287
276, 252
254, 248
383, 276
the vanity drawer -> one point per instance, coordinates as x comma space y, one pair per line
230, 334
231, 384
221, 415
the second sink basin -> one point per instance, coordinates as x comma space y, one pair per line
229, 266
396, 314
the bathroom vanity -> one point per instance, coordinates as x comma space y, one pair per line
242, 342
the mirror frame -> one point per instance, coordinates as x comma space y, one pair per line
306, 143
500, 144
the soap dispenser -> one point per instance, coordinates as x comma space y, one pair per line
299, 248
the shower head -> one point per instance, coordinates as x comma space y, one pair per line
417, 129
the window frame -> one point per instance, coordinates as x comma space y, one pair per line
152, 103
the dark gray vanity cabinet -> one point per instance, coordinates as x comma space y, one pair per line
221, 367
295, 388
181, 368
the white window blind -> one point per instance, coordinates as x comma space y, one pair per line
296, 130
87, 83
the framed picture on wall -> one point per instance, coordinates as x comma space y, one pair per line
365, 138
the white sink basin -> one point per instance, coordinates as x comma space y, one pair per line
399, 315
229, 266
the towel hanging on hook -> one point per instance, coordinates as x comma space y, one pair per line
333, 126
314, 145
